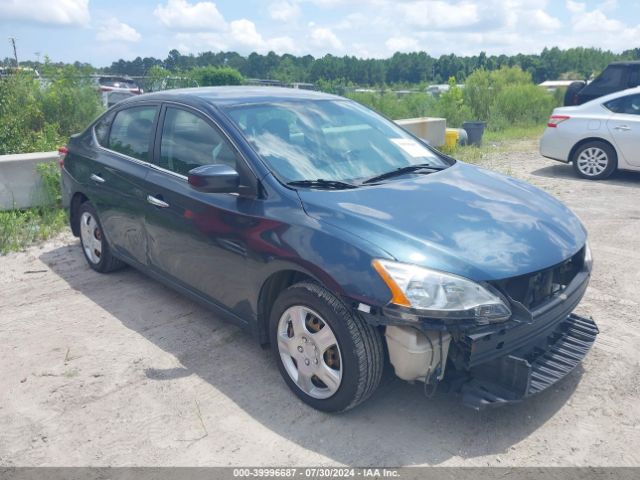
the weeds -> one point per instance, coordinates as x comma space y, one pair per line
21, 228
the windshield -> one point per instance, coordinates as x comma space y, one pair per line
336, 140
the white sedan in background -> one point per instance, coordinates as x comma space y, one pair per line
598, 137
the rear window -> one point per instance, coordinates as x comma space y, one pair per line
131, 131
611, 78
629, 104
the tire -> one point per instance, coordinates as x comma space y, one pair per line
595, 160
572, 90
95, 248
358, 348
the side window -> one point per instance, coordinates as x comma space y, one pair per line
131, 131
629, 104
189, 142
101, 129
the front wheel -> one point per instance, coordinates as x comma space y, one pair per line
595, 160
327, 355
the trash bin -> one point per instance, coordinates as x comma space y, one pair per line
451, 137
474, 132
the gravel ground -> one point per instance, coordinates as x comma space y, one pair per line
118, 370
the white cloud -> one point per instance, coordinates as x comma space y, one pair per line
328, 3
186, 16
285, 11
244, 32
60, 12
324, 39
240, 35
402, 44
440, 14
113, 29
575, 7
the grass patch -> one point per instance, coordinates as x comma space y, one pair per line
514, 133
21, 228
512, 139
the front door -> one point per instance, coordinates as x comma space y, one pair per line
196, 238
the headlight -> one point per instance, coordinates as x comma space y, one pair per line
440, 295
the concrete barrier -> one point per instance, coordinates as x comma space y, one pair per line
20, 184
431, 129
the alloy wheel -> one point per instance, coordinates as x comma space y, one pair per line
592, 161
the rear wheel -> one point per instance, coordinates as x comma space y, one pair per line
328, 356
595, 160
94, 246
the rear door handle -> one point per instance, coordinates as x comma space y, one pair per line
624, 128
156, 202
96, 178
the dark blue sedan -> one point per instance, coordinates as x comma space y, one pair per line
338, 238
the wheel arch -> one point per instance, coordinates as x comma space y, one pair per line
271, 287
575, 148
76, 201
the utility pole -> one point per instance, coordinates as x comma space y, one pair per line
15, 52
37, 54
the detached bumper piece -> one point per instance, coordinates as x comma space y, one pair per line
513, 377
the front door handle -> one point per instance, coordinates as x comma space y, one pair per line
96, 178
156, 202
623, 128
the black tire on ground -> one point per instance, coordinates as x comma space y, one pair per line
107, 262
601, 150
360, 345
572, 90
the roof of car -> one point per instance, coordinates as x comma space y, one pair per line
626, 62
236, 95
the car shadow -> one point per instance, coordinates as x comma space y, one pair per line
397, 426
561, 170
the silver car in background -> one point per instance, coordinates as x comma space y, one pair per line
598, 137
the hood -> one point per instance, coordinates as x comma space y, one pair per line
464, 220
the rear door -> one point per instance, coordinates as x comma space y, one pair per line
197, 239
624, 126
117, 182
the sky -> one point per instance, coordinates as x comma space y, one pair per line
101, 31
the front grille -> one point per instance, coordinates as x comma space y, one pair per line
534, 289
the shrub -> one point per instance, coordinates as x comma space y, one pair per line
451, 105
21, 116
211, 76
37, 116
523, 105
70, 100
396, 106
506, 97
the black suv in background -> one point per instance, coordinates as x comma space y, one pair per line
617, 76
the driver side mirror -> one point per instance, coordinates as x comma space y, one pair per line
214, 179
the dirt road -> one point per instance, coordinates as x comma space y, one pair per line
118, 370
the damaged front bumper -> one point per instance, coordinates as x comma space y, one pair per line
495, 364
511, 378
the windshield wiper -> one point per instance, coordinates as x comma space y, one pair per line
403, 171
321, 183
